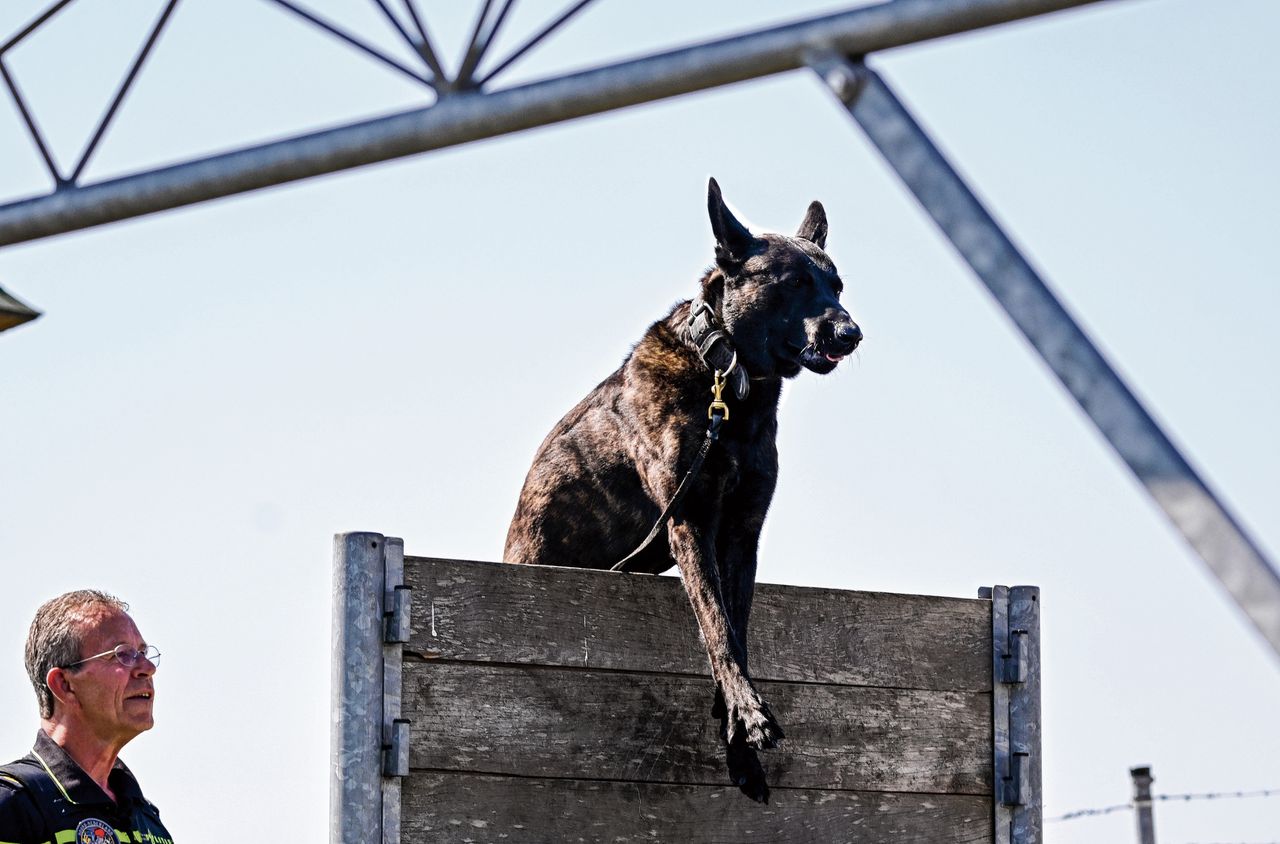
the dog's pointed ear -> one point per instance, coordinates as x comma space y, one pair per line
733, 240
814, 227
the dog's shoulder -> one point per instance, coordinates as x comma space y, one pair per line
662, 354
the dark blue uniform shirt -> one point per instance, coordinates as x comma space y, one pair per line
46, 797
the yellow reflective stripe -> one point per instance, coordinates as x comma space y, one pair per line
49, 771
68, 836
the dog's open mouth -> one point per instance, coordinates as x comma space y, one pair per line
814, 360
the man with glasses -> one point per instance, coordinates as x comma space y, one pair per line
93, 675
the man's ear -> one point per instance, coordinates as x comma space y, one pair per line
56, 680
814, 227
733, 240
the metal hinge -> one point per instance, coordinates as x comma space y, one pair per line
397, 616
1013, 784
1015, 625
1015, 658
397, 604
395, 756
1014, 662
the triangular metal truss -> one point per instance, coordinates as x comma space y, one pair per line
465, 109
60, 180
406, 20
467, 77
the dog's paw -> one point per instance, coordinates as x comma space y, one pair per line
752, 723
761, 730
746, 772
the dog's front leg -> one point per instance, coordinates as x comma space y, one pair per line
736, 554
736, 551
747, 718
737, 569
736, 565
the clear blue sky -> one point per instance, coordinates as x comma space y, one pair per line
214, 392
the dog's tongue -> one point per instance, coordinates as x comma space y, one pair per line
835, 358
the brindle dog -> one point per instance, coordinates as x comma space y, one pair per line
768, 308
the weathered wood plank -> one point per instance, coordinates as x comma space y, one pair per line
547, 722
490, 612
445, 807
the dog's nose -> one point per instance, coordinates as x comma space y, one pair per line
849, 335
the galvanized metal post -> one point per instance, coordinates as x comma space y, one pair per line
355, 786
1142, 780
1230, 554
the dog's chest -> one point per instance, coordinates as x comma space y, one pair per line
747, 455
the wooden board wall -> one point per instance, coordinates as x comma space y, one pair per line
551, 704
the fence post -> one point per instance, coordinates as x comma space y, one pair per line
355, 787
1142, 780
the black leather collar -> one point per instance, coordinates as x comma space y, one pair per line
715, 347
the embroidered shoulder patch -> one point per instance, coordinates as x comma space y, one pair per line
94, 831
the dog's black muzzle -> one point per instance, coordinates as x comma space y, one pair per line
845, 337
834, 337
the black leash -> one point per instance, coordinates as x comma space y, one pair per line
718, 414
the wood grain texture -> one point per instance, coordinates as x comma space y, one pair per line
446, 807
658, 728
491, 612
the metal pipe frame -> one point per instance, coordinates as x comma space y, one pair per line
1213, 533
822, 43
473, 115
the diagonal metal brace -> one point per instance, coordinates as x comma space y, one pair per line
1233, 557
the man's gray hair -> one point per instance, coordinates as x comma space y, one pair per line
57, 634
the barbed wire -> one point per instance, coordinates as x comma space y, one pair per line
1089, 813
1204, 795
1218, 795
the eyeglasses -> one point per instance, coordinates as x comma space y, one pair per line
125, 655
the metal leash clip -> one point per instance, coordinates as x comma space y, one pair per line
717, 402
